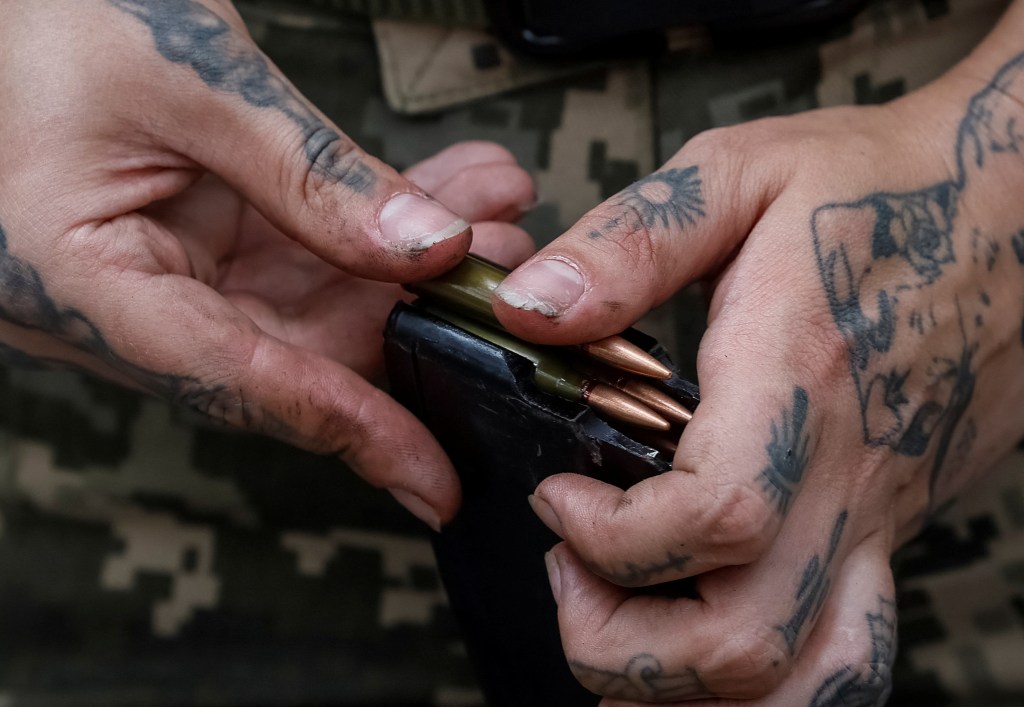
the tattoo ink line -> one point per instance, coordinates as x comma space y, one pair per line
1017, 241
188, 33
853, 686
643, 678
813, 589
787, 453
25, 302
662, 199
637, 575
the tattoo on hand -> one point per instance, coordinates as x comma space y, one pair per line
26, 303
865, 685
639, 575
912, 245
643, 678
787, 453
1017, 241
813, 588
188, 33
663, 199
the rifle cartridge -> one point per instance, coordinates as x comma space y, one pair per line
468, 287
554, 375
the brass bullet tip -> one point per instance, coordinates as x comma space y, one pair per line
620, 406
616, 351
659, 401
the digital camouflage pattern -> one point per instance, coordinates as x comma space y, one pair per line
147, 558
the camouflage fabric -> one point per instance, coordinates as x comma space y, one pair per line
147, 558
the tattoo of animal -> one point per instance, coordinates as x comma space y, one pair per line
881, 259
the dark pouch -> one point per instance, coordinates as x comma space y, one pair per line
504, 436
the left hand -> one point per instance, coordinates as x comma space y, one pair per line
177, 217
863, 362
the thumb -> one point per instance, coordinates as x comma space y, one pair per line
636, 249
232, 111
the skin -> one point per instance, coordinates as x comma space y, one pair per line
176, 217
861, 367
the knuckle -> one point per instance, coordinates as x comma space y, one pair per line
345, 426
601, 549
327, 160
217, 389
715, 140
869, 680
753, 663
741, 524
225, 385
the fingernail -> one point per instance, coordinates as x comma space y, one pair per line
418, 507
531, 204
554, 575
548, 286
414, 222
546, 514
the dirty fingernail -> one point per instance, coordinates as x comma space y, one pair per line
548, 286
414, 222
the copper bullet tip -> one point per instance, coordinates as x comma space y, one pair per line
616, 351
620, 406
659, 401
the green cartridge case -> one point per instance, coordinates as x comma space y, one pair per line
467, 288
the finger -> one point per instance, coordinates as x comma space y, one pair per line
480, 181
633, 251
488, 192
178, 339
606, 635
849, 657
714, 508
502, 243
286, 158
351, 334
747, 453
434, 171
740, 638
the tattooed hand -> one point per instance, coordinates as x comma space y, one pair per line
175, 216
864, 361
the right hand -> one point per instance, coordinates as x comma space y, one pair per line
862, 365
176, 217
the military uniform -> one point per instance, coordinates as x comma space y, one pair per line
149, 558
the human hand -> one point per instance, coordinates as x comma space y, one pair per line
175, 217
862, 363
